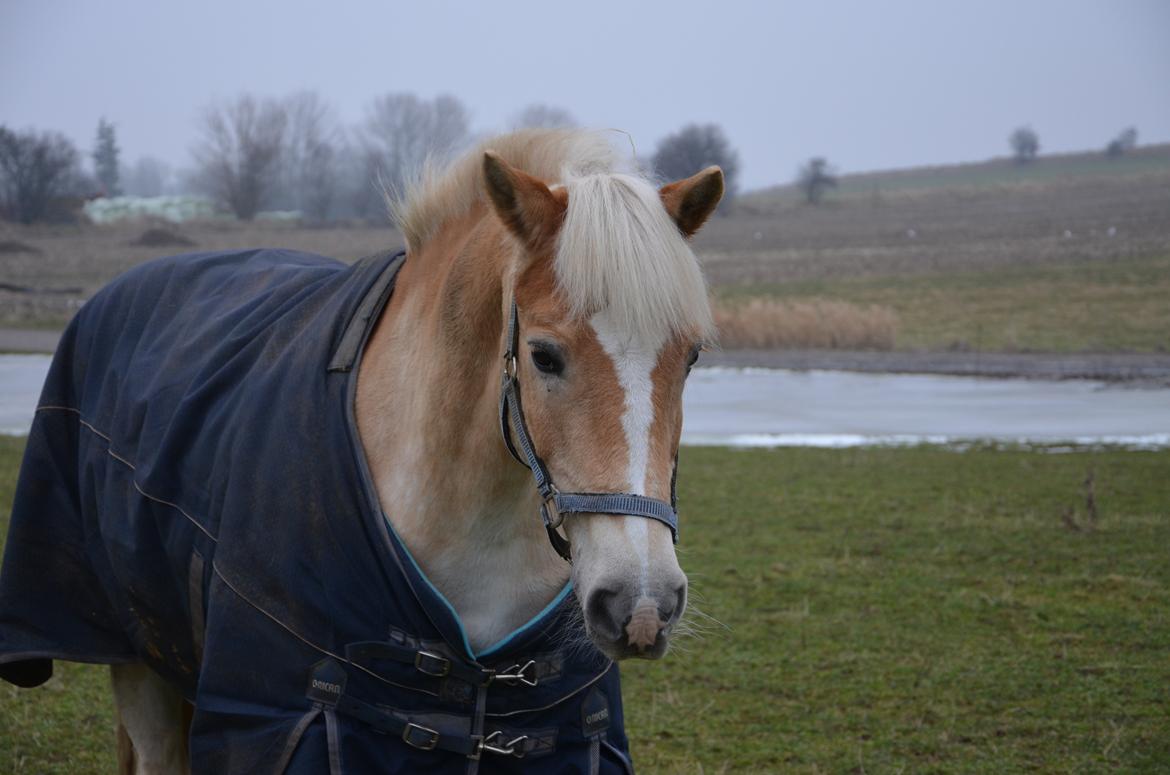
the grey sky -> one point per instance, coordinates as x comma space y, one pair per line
868, 84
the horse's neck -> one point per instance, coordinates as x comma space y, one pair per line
427, 401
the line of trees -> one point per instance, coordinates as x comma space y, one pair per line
292, 153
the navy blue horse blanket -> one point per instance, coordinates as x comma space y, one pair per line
194, 496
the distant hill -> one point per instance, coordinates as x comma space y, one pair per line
993, 172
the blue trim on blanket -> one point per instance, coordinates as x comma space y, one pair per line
498, 645
548, 609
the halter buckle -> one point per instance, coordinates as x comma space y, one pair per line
553, 517
510, 365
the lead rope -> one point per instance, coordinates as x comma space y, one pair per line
555, 505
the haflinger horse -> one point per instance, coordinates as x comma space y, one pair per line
280, 495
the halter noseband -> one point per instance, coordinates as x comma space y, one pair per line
556, 505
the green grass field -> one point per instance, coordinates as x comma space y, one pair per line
880, 611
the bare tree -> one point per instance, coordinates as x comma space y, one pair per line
310, 159
693, 148
147, 177
1025, 144
541, 116
814, 178
358, 194
36, 170
402, 131
239, 156
1122, 144
105, 158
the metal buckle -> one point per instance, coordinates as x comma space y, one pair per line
552, 515
516, 673
429, 744
507, 749
428, 658
510, 365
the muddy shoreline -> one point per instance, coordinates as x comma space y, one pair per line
28, 340
1138, 368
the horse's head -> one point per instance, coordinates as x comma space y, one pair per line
612, 311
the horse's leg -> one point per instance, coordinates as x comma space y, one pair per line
153, 720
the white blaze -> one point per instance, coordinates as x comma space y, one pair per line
634, 361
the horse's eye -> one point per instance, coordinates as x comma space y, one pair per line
694, 358
547, 362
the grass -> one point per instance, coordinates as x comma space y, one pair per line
90, 256
1064, 307
883, 610
916, 610
804, 323
66, 726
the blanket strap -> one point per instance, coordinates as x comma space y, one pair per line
437, 665
345, 356
417, 735
430, 732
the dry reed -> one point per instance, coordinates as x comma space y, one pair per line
808, 323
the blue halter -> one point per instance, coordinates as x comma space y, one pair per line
556, 505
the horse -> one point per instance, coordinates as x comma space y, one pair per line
396, 516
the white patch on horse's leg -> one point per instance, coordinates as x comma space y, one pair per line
634, 362
151, 712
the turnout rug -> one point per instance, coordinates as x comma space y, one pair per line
194, 495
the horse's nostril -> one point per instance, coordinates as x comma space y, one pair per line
602, 614
666, 609
670, 609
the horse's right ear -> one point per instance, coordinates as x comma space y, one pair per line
524, 203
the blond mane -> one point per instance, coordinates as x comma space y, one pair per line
618, 248
445, 192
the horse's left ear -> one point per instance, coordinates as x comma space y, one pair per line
524, 203
692, 200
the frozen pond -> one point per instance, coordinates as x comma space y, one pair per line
21, 377
766, 407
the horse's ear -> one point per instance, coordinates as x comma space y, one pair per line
691, 201
524, 203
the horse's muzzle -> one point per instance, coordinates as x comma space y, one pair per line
627, 624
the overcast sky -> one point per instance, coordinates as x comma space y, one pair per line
870, 85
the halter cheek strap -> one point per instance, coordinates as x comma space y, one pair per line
556, 505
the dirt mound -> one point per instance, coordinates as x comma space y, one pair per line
156, 238
12, 246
